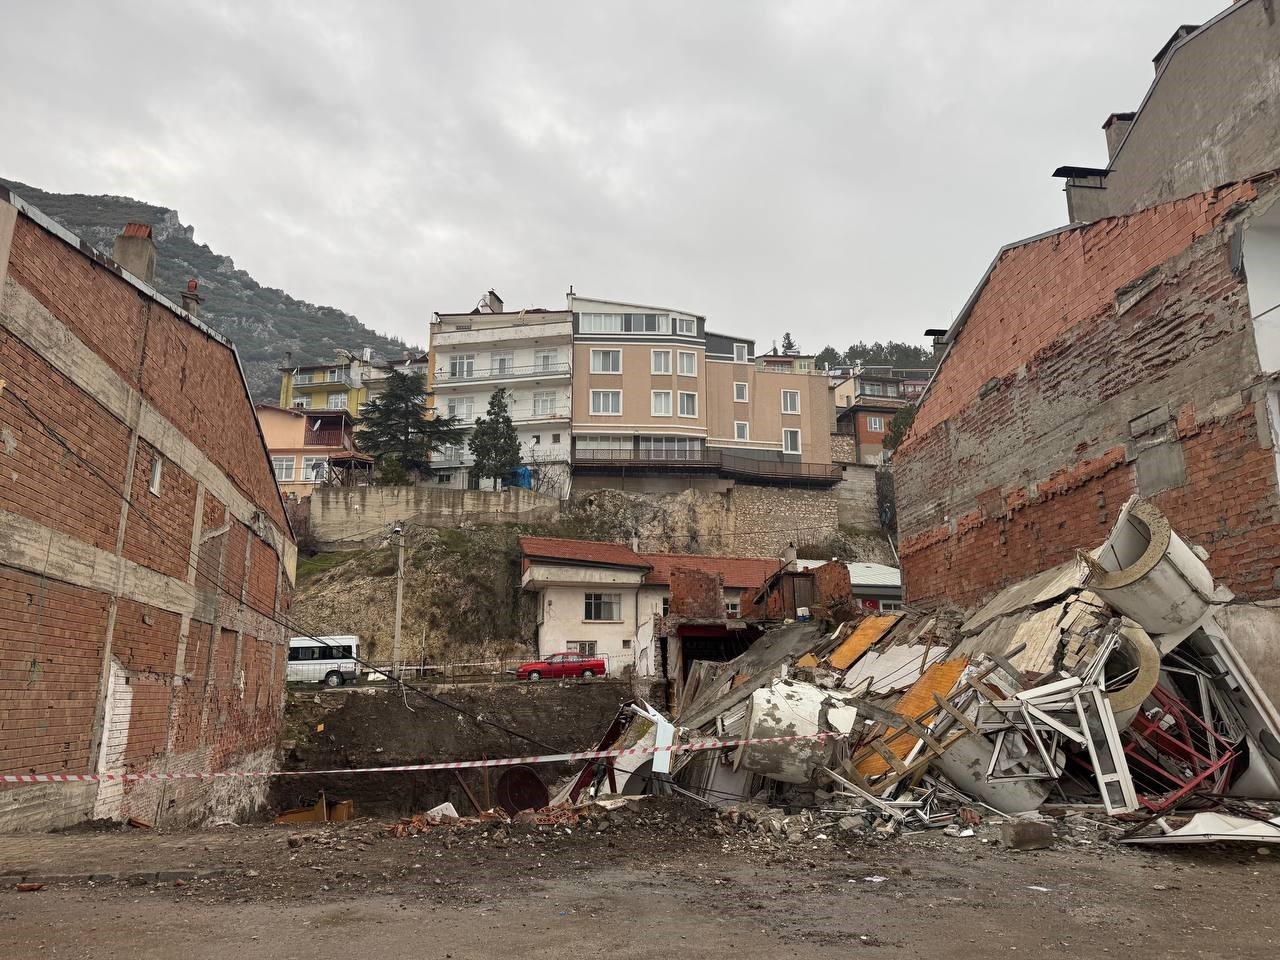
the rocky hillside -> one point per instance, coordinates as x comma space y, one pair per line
263, 322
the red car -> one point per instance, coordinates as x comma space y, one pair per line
561, 665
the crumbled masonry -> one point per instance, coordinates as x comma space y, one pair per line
1106, 686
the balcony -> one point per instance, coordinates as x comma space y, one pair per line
546, 332
707, 461
446, 376
323, 438
526, 416
341, 380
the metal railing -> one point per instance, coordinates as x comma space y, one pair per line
342, 380
469, 671
501, 372
709, 460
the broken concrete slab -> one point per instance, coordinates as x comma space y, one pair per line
1026, 834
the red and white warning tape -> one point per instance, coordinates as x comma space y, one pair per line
692, 745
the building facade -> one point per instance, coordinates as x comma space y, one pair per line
656, 395
1210, 117
146, 555
309, 447
1133, 355
348, 383
527, 353
607, 600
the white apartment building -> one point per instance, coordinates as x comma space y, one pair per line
529, 353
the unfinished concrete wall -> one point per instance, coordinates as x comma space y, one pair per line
856, 504
145, 550
1211, 118
1097, 363
347, 518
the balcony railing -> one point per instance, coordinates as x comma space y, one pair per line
501, 372
322, 438
342, 380
708, 460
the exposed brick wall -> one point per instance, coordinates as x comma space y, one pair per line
1037, 430
831, 586
50, 662
39, 479
186, 375
1040, 291
696, 594
89, 669
158, 531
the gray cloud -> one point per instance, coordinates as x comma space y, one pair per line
840, 170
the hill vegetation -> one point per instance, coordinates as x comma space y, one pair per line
263, 322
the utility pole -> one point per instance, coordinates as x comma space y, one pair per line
395, 644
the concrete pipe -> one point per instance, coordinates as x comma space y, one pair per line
1148, 573
1136, 652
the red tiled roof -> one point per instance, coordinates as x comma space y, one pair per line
735, 572
581, 551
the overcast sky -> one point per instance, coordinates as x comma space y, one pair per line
844, 171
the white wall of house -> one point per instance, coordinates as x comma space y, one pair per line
562, 614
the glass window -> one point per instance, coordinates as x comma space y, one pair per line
661, 361
501, 364
603, 606
544, 403
790, 401
331, 376
606, 361
607, 402
688, 404
790, 441
670, 448
545, 359
462, 365
303, 401
603, 443
304, 378
582, 649
662, 403
741, 430
157, 473
337, 401
624, 323
314, 469
733, 608
688, 363
555, 438
686, 326
462, 407
875, 424
873, 389
739, 393
740, 353
283, 467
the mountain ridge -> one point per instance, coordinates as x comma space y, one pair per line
263, 322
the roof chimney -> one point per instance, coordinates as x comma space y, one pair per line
1116, 127
136, 251
939, 340
494, 301
789, 554
191, 299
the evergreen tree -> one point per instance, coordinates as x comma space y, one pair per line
494, 442
892, 354
828, 357
788, 344
395, 429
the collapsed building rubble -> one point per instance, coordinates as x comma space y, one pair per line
1108, 682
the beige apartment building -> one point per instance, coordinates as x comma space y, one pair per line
655, 394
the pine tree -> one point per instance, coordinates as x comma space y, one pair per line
494, 442
395, 429
899, 426
828, 357
788, 344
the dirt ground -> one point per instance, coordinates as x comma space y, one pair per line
669, 881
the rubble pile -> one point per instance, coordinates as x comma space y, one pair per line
1106, 685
